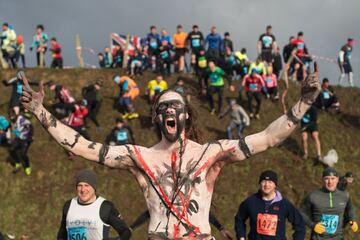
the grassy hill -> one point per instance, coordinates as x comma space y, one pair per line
32, 204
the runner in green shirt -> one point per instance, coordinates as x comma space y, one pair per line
216, 85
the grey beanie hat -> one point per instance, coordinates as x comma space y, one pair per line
88, 176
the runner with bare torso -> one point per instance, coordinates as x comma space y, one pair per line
177, 175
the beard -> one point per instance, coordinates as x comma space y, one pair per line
172, 126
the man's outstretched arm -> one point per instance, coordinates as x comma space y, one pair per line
281, 128
117, 156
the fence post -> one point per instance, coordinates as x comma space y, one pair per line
4, 64
79, 51
126, 53
41, 52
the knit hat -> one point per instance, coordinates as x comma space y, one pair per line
349, 174
87, 176
99, 82
329, 172
116, 78
268, 175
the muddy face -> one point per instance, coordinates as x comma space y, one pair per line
171, 116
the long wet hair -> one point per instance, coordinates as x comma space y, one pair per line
191, 130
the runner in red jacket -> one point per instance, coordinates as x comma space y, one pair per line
253, 84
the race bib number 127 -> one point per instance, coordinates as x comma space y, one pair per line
267, 224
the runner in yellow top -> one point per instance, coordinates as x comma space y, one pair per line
179, 40
155, 87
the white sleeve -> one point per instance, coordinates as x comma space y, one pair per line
341, 55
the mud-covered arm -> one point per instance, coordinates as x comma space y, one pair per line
112, 156
9, 82
278, 130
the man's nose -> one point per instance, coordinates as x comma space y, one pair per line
170, 110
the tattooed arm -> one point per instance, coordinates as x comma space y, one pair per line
278, 130
114, 156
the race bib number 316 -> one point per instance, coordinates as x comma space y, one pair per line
267, 224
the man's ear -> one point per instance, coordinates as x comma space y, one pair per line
154, 118
187, 115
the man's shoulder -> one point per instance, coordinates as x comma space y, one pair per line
252, 199
138, 148
67, 205
314, 195
286, 201
343, 194
151, 82
344, 48
107, 204
203, 148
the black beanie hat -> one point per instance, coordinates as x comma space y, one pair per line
349, 174
87, 176
329, 172
269, 175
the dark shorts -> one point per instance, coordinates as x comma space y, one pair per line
14, 101
196, 52
180, 52
310, 129
2, 139
267, 55
345, 68
125, 101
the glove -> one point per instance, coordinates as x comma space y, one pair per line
354, 226
319, 228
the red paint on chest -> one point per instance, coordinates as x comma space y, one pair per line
166, 199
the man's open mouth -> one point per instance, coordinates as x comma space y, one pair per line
170, 124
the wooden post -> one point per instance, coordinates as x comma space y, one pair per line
79, 51
110, 43
126, 53
41, 52
4, 64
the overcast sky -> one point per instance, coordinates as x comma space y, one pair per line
326, 23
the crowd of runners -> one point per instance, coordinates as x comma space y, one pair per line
216, 64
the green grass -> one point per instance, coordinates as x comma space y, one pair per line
32, 204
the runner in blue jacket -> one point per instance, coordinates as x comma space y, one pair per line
267, 211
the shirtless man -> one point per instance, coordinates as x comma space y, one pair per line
177, 175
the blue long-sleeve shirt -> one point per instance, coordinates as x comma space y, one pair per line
267, 217
213, 41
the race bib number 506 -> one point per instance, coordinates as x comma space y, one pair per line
77, 233
267, 224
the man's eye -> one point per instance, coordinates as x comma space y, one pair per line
162, 107
177, 105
